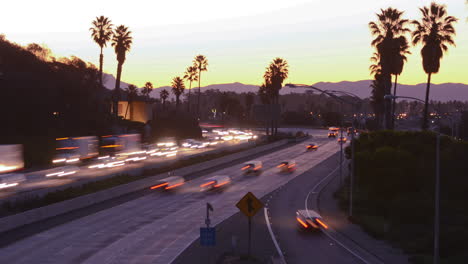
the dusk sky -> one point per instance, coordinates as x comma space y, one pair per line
325, 41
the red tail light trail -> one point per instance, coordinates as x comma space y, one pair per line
159, 185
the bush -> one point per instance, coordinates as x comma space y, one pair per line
395, 178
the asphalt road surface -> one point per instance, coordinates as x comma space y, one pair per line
300, 246
157, 226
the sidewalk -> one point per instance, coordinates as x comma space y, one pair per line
328, 207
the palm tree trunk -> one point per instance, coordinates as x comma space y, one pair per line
101, 61
164, 105
177, 103
425, 124
394, 101
126, 110
117, 89
188, 100
198, 100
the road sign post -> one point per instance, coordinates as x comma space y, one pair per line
249, 205
208, 234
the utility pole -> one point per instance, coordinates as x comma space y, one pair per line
351, 180
437, 202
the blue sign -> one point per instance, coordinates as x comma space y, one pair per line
207, 236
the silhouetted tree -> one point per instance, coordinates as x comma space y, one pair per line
191, 76
249, 101
41, 51
147, 90
435, 31
122, 42
201, 63
101, 32
401, 49
276, 73
164, 94
389, 25
178, 88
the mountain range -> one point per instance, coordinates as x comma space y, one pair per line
439, 92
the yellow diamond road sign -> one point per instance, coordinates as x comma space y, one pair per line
249, 204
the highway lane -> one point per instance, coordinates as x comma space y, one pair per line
37, 182
300, 246
154, 228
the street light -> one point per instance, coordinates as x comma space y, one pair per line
437, 184
332, 94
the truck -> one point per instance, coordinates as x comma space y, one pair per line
116, 150
11, 162
72, 150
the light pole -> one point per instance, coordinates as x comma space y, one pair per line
437, 185
332, 94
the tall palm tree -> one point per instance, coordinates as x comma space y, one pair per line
132, 92
376, 67
401, 49
201, 63
164, 94
101, 32
147, 90
191, 76
390, 25
122, 42
178, 88
435, 31
276, 73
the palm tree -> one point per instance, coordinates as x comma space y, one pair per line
389, 25
132, 92
101, 32
147, 90
178, 88
401, 49
164, 94
200, 63
276, 73
122, 42
376, 67
435, 31
191, 76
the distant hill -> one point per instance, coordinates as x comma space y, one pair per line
440, 92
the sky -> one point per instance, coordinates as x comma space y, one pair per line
323, 41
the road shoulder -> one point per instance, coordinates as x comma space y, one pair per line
338, 220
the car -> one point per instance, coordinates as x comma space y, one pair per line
169, 183
312, 146
287, 166
310, 220
215, 182
342, 140
332, 134
253, 166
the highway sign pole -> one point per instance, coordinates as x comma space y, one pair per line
250, 237
249, 205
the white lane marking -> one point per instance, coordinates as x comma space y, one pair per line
280, 253
325, 232
343, 246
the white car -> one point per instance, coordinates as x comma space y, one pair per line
169, 183
215, 182
310, 220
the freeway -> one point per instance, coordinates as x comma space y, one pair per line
39, 184
157, 226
